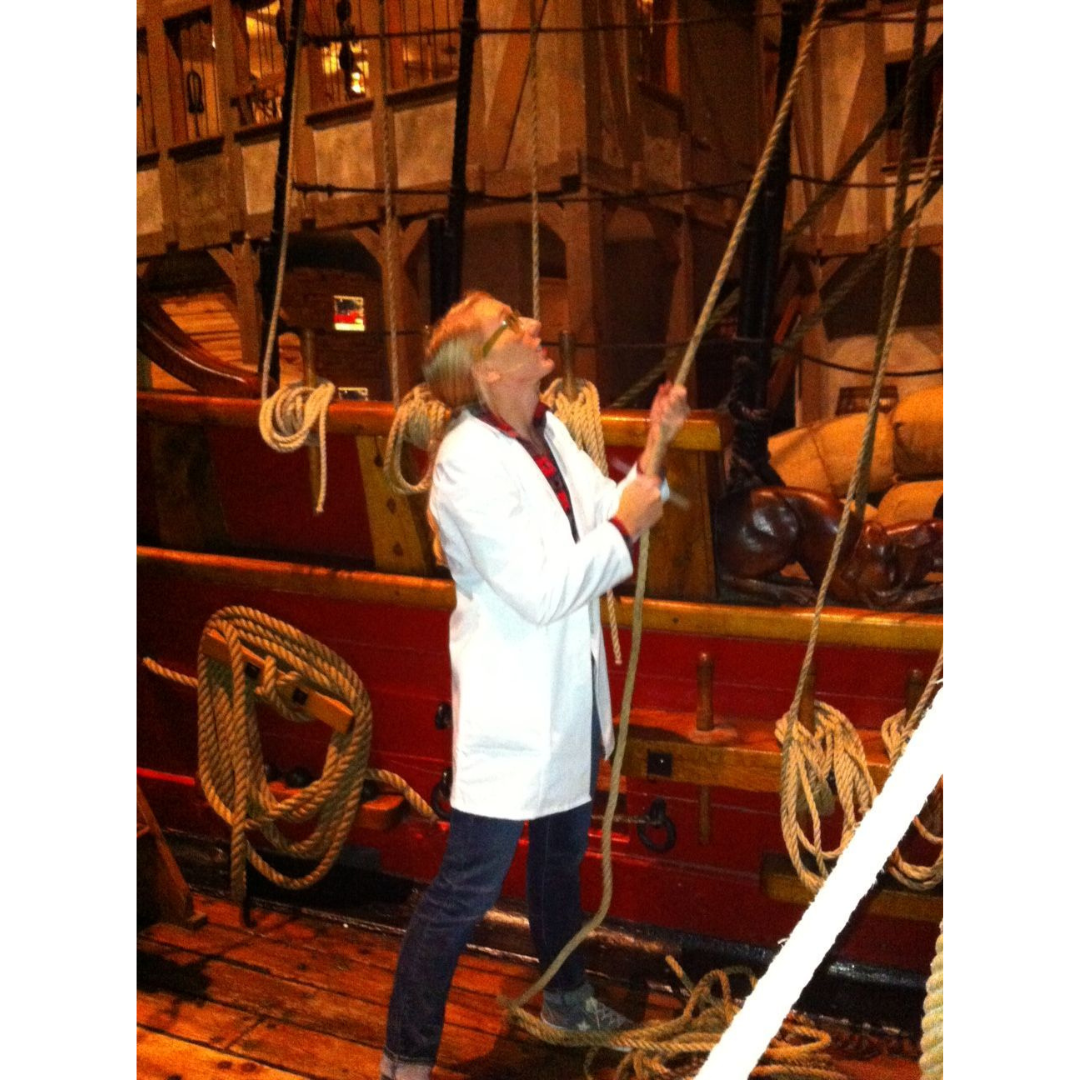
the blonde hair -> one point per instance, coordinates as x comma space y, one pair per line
450, 360
453, 352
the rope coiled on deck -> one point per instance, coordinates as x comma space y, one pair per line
231, 768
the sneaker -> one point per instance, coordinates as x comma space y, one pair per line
391, 1070
587, 1015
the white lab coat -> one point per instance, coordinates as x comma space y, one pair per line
526, 628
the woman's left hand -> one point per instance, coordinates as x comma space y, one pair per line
668, 413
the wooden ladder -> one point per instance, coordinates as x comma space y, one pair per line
161, 885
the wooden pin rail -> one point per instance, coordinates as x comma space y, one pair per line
661, 746
888, 897
306, 699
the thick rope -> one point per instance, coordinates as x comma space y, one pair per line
279, 281
420, 419
534, 151
831, 757
516, 1008
932, 1059
390, 220
809, 216
581, 415
287, 420
231, 768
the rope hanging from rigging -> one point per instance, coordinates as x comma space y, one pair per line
515, 1009
792, 766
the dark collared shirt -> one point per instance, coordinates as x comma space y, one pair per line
545, 462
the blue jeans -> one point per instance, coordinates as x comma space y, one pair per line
478, 854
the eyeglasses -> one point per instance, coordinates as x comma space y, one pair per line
512, 322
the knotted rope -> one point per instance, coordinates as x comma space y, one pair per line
827, 758
287, 420
420, 419
581, 415
932, 1059
231, 768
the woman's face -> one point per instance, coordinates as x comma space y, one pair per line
515, 355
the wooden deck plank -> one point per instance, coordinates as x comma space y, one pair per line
295, 996
161, 1057
206, 1022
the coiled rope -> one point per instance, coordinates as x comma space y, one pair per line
581, 415
676, 1047
231, 768
287, 421
515, 1009
932, 1058
420, 419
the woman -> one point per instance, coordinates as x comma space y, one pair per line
533, 535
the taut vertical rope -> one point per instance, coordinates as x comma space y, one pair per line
287, 135
534, 168
516, 1008
389, 220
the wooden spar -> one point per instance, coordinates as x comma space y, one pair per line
449, 241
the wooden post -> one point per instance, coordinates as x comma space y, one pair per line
706, 668
707, 732
307, 350
567, 346
916, 684
806, 702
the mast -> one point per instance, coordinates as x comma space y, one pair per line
750, 452
447, 236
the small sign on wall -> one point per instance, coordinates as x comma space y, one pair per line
349, 313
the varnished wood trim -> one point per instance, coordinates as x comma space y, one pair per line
838, 627
359, 586
622, 427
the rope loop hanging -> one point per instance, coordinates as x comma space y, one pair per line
830, 759
420, 419
288, 419
581, 415
231, 768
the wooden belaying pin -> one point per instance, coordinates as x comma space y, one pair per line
806, 702
307, 351
916, 684
567, 347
